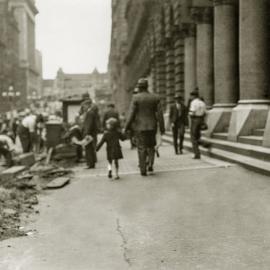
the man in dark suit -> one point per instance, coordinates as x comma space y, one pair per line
146, 113
90, 128
110, 113
178, 119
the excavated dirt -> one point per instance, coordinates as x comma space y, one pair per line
19, 197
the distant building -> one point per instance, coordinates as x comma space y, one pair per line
25, 12
10, 74
39, 68
71, 85
48, 89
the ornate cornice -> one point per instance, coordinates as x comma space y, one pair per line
202, 14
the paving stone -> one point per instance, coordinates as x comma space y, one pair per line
58, 183
11, 173
26, 159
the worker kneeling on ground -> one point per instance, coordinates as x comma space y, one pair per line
7, 147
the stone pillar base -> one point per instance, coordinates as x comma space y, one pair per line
266, 138
248, 116
167, 121
218, 119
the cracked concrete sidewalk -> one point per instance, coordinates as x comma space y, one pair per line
201, 216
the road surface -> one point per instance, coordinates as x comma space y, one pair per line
190, 215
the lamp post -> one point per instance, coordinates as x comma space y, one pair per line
11, 95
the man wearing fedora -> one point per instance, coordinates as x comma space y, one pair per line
147, 116
178, 120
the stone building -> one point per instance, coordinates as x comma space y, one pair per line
25, 12
39, 69
69, 85
220, 46
9, 57
117, 66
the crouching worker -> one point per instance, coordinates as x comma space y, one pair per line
7, 147
74, 136
112, 137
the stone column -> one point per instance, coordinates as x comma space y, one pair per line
225, 65
204, 48
190, 72
179, 62
169, 73
251, 112
161, 76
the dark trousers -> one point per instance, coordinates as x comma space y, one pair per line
79, 152
25, 138
178, 136
7, 155
195, 133
146, 142
90, 154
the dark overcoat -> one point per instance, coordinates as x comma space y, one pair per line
146, 113
112, 139
178, 117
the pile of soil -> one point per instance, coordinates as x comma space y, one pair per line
19, 197
14, 202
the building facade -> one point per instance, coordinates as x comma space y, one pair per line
117, 66
221, 47
25, 12
9, 56
71, 85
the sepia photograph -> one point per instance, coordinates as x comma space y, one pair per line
134, 134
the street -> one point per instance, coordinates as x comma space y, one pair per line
197, 215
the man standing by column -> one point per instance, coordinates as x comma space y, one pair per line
197, 114
178, 116
146, 111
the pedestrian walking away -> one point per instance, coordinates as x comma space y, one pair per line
146, 114
197, 114
178, 121
112, 137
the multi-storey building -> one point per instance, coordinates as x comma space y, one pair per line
70, 85
10, 73
117, 66
25, 12
221, 47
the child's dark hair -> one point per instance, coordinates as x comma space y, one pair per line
113, 123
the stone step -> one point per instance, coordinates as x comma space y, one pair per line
220, 136
252, 163
253, 140
11, 173
258, 132
27, 160
253, 151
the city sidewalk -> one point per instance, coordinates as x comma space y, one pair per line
167, 162
191, 214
